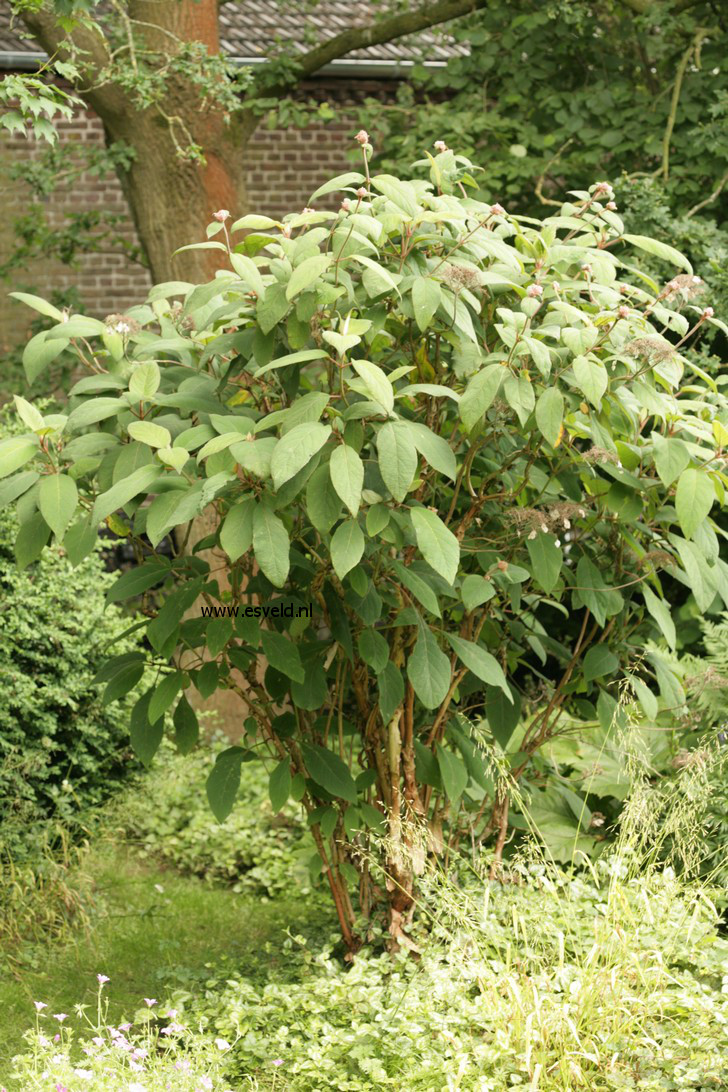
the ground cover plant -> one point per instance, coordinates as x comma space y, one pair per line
606, 977
467, 443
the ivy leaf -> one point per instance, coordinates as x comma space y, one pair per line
270, 545
329, 771
428, 669
279, 785
694, 498
550, 414
546, 560
347, 547
437, 544
57, 500
480, 662
347, 476
294, 450
397, 459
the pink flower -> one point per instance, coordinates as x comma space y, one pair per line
60, 1016
708, 313
534, 290
441, 146
206, 1082
150, 1001
40, 1005
277, 1061
623, 311
102, 979
497, 210
362, 137
124, 1027
171, 1013
603, 189
221, 215
307, 209
61, 1088
98, 1041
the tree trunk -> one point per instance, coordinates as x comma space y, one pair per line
171, 198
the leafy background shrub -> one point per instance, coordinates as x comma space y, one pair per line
253, 851
61, 750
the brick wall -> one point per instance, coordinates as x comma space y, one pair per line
284, 168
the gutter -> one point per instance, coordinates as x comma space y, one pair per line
361, 69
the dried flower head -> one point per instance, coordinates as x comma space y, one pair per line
121, 324
657, 559
598, 455
458, 277
654, 349
684, 286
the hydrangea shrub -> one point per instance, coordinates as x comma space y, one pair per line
466, 442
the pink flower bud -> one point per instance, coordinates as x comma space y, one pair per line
441, 146
497, 210
708, 312
286, 231
612, 206
534, 290
556, 285
623, 311
362, 192
603, 189
307, 209
346, 204
221, 215
362, 137
102, 979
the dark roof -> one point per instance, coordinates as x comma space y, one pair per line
248, 29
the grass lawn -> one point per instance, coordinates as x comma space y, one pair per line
147, 940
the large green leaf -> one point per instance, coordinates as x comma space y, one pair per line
592, 592
15, 452
550, 414
397, 458
671, 456
546, 560
694, 498
433, 448
307, 273
271, 545
57, 500
428, 669
323, 503
236, 534
145, 737
328, 771
660, 611
224, 781
347, 547
279, 784
659, 250
426, 298
391, 690
480, 662
591, 378
283, 655
480, 394
124, 491
437, 544
294, 450
453, 772
347, 476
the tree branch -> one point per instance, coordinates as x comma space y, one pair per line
385, 30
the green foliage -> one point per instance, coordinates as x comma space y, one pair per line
519, 444
256, 850
555, 91
61, 751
